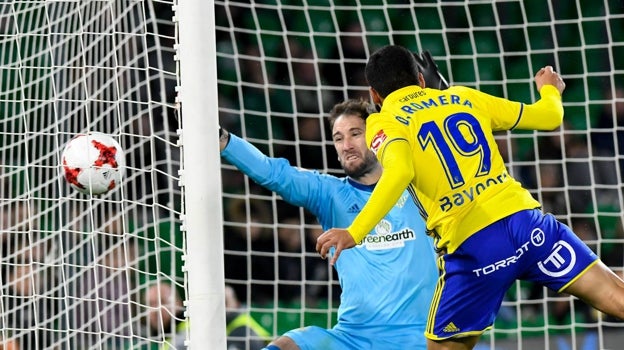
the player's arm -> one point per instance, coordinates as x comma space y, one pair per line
547, 112
396, 176
298, 187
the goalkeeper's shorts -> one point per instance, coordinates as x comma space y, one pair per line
359, 338
527, 245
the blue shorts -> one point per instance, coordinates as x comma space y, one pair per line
362, 338
527, 245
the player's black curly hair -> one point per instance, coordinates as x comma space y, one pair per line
390, 68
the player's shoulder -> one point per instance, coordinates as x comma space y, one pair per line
384, 117
329, 181
376, 121
467, 92
459, 89
342, 185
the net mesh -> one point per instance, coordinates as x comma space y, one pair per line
77, 271
283, 64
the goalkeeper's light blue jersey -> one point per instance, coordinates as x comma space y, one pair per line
388, 279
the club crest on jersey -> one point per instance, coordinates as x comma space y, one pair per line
377, 141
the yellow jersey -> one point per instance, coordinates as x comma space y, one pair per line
440, 144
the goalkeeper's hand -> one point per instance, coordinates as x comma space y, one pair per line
224, 138
429, 69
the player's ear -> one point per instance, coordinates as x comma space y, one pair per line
377, 100
421, 80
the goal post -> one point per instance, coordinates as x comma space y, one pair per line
283, 64
200, 174
80, 271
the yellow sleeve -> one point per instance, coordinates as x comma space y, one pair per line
397, 174
545, 114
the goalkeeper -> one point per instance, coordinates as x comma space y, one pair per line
388, 281
488, 229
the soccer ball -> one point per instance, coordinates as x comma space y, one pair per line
93, 163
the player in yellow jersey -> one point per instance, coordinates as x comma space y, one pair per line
489, 230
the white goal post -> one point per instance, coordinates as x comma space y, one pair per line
80, 271
200, 175
282, 64
129, 269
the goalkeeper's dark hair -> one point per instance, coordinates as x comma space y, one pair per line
390, 68
358, 107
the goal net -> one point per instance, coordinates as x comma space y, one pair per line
80, 271
283, 64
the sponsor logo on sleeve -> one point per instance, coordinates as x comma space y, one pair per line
377, 141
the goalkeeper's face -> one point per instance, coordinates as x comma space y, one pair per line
349, 136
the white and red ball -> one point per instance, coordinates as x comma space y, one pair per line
93, 163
